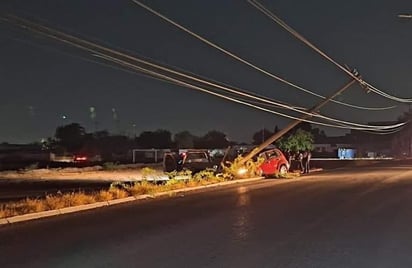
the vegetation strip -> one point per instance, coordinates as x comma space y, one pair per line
144, 188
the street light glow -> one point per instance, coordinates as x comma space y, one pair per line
405, 16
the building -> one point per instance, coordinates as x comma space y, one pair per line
331, 146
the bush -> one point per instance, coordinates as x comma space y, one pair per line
31, 206
110, 166
239, 169
118, 193
104, 196
183, 174
32, 167
174, 184
204, 174
140, 188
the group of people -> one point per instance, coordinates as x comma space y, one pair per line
303, 160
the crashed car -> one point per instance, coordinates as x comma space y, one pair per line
274, 163
193, 160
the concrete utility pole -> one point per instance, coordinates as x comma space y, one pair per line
293, 124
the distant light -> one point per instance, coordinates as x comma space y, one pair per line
31, 111
92, 110
114, 114
80, 158
64, 117
405, 16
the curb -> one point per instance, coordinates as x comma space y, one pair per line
82, 207
143, 196
74, 209
121, 200
33, 216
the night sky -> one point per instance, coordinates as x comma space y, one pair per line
41, 81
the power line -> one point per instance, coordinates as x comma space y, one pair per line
153, 63
231, 90
234, 56
284, 25
244, 93
186, 84
284, 106
93, 48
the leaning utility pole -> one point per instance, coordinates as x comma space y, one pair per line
282, 132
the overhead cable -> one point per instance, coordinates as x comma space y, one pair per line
285, 26
238, 58
94, 48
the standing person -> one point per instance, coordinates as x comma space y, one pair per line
300, 159
306, 161
288, 156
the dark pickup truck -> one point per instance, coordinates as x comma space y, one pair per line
193, 160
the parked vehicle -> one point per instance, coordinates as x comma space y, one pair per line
193, 160
275, 162
86, 159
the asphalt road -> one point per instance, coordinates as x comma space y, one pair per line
343, 218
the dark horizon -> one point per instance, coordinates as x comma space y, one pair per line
46, 84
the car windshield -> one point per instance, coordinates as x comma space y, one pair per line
196, 156
272, 154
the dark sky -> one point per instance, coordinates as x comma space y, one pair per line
42, 80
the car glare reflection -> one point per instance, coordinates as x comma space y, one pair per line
242, 220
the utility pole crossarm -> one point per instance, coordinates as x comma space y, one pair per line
293, 124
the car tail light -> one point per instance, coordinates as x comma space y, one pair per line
80, 158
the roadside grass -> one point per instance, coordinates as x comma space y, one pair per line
110, 166
30, 167
289, 175
117, 190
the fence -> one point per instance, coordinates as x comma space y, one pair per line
148, 155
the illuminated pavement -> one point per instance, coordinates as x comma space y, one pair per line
343, 218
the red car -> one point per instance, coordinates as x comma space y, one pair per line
275, 163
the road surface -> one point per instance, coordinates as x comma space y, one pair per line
343, 218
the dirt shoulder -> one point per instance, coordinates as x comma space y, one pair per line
121, 173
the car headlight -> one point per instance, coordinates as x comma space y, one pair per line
242, 171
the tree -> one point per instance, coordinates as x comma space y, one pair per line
158, 139
212, 140
303, 126
106, 145
264, 134
101, 134
260, 136
318, 135
301, 140
184, 139
71, 137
